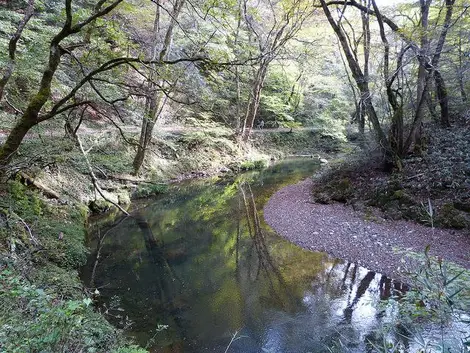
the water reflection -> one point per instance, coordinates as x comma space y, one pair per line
202, 261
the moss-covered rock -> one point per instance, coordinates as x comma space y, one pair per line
340, 190
449, 216
124, 198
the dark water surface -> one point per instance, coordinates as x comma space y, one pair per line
198, 265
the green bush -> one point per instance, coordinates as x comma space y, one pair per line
253, 165
148, 190
438, 302
37, 320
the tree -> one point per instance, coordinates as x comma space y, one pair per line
361, 80
32, 115
280, 23
12, 47
156, 97
397, 145
40, 107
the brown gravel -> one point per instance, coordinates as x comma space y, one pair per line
343, 233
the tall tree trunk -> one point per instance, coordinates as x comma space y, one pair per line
31, 117
31, 114
460, 71
441, 90
442, 97
422, 89
362, 84
156, 99
366, 47
396, 128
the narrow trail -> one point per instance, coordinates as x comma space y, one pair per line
341, 232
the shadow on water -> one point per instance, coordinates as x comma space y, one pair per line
201, 261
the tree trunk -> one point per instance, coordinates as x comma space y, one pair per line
12, 47
30, 116
253, 106
460, 71
155, 99
441, 90
443, 98
362, 83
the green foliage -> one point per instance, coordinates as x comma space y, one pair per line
34, 319
450, 217
27, 203
438, 299
46, 312
60, 232
280, 99
147, 190
257, 164
130, 349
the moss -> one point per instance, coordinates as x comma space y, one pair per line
43, 274
403, 198
339, 190
462, 206
342, 190
64, 282
124, 198
449, 216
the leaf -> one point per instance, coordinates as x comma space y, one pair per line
87, 301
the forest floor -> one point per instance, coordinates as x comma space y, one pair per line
357, 212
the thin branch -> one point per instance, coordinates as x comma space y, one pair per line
94, 180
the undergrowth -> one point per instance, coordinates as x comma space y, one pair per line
433, 315
43, 307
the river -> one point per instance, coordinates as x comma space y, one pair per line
198, 270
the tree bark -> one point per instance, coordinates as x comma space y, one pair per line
362, 83
441, 90
31, 117
442, 97
254, 100
156, 99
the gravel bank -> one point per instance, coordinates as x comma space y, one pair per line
341, 232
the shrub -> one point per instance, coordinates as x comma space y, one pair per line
148, 190
37, 320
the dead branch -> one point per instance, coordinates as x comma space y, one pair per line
94, 180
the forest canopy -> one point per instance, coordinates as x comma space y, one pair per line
380, 69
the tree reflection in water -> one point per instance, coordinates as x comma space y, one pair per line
203, 262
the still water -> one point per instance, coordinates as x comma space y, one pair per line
197, 268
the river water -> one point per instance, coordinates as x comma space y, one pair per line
198, 270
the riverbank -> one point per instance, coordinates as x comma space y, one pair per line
357, 212
343, 233
43, 224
